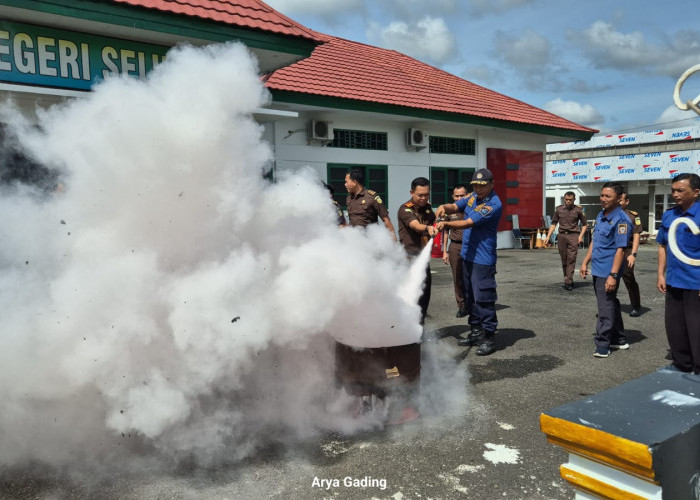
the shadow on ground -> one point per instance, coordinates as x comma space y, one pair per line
499, 369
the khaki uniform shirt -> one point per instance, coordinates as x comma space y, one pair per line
455, 235
411, 240
568, 219
636, 224
365, 207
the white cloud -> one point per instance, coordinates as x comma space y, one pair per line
678, 118
531, 50
318, 7
605, 47
583, 114
482, 7
429, 39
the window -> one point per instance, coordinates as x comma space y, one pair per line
443, 180
661, 203
452, 145
375, 177
359, 139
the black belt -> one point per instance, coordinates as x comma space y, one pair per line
569, 232
456, 241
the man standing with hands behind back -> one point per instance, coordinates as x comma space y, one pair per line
680, 279
482, 210
631, 256
570, 235
451, 253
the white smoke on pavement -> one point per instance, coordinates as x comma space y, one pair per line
169, 295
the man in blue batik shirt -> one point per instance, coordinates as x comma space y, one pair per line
611, 236
482, 210
680, 279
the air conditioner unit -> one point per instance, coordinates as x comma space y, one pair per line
416, 138
320, 131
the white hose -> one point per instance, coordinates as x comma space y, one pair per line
677, 92
672, 240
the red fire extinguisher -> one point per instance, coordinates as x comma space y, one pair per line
436, 252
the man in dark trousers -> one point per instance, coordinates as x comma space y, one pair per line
364, 206
482, 210
679, 275
416, 219
631, 256
568, 216
451, 250
606, 255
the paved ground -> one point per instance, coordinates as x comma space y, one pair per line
478, 436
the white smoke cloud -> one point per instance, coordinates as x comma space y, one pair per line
169, 296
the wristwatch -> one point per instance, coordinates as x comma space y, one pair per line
615, 275
634, 254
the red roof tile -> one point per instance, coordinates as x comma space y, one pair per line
346, 69
251, 14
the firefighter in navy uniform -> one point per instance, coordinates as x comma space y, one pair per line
482, 210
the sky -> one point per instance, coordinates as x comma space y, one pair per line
607, 65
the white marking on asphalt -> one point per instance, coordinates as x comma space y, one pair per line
673, 398
462, 468
453, 481
505, 426
501, 454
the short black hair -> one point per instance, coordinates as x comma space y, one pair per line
693, 179
570, 193
356, 175
419, 181
459, 186
329, 188
615, 186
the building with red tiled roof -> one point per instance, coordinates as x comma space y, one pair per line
351, 74
336, 103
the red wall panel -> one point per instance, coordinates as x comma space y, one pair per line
526, 168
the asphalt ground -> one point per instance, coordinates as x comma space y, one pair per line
478, 435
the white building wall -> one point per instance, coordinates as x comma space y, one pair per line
292, 151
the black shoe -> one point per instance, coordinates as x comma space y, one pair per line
474, 337
461, 313
635, 312
487, 346
568, 287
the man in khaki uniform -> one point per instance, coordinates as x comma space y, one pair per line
631, 256
570, 236
451, 253
364, 205
416, 230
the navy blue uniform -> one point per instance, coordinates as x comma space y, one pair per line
479, 259
682, 289
612, 231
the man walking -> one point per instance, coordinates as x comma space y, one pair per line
568, 216
482, 210
631, 256
606, 253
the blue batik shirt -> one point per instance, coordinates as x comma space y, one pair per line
479, 241
679, 274
612, 231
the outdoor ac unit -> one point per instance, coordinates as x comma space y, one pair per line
320, 131
416, 138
